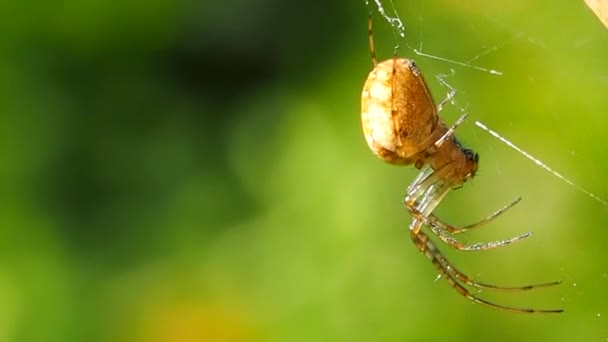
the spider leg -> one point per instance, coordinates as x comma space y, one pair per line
446, 270
418, 183
432, 219
448, 98
445, 235
427, 191
454, 243
450, 131
473, 283
370, 35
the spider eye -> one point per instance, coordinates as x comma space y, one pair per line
470, 155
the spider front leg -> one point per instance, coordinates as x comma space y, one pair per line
480, 246
457, 230
450, 131
442, 231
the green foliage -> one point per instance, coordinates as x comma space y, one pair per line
191, 171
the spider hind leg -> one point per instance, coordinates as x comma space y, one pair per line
456, 278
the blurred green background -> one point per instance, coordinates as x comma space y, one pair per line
196, 171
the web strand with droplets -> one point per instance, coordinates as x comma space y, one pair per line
399, 30
539, 163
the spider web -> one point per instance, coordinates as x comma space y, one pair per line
561, 140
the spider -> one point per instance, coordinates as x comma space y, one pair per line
401, 126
